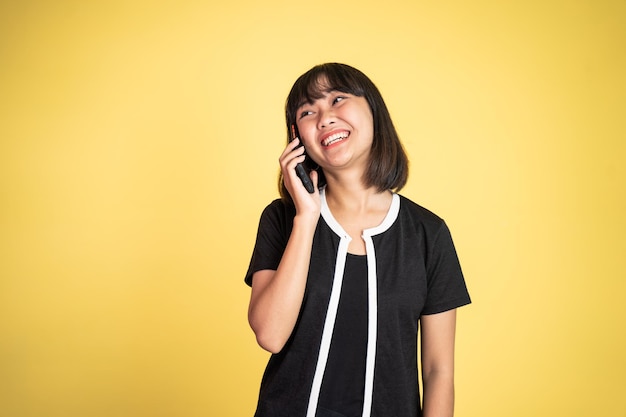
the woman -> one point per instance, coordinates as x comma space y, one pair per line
343, 277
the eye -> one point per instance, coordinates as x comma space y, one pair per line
337, 99
305, 113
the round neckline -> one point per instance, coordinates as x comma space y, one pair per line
389, 219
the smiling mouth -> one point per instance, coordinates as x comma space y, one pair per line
334, 138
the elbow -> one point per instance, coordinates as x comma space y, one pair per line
434, 370
267, 339
271, 344
271, 334
438, 379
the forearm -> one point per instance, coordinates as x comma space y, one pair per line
275, 304
438, 394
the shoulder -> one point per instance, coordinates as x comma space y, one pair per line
418, 213
279, 209
431, 227
278, 215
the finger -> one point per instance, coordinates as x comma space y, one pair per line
290, 153
293, 144
289, 167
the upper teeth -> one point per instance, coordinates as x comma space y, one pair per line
334, 138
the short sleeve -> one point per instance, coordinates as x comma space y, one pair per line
445, 282
272, 235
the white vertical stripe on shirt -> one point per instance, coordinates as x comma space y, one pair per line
372, 300
372, 325
331, 313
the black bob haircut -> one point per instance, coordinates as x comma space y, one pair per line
389, 166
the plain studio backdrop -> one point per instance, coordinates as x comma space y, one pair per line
139, 143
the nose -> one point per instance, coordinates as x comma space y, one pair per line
326, 118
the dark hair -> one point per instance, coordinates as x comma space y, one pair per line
389, 166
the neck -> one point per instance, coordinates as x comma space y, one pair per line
349, 194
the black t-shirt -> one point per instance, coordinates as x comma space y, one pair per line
344, 379
412, 270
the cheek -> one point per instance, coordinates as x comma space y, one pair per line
307, 133
365, 117
368, 125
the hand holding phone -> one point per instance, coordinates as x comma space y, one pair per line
300, 171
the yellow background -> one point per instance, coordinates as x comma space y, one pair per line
139, 143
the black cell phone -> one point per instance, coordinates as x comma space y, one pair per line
300, 171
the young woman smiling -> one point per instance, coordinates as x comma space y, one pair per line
343, 278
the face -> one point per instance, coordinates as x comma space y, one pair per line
337, 130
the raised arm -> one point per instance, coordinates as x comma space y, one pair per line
277, 296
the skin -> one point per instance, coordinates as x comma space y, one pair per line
437, 337
277, 296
